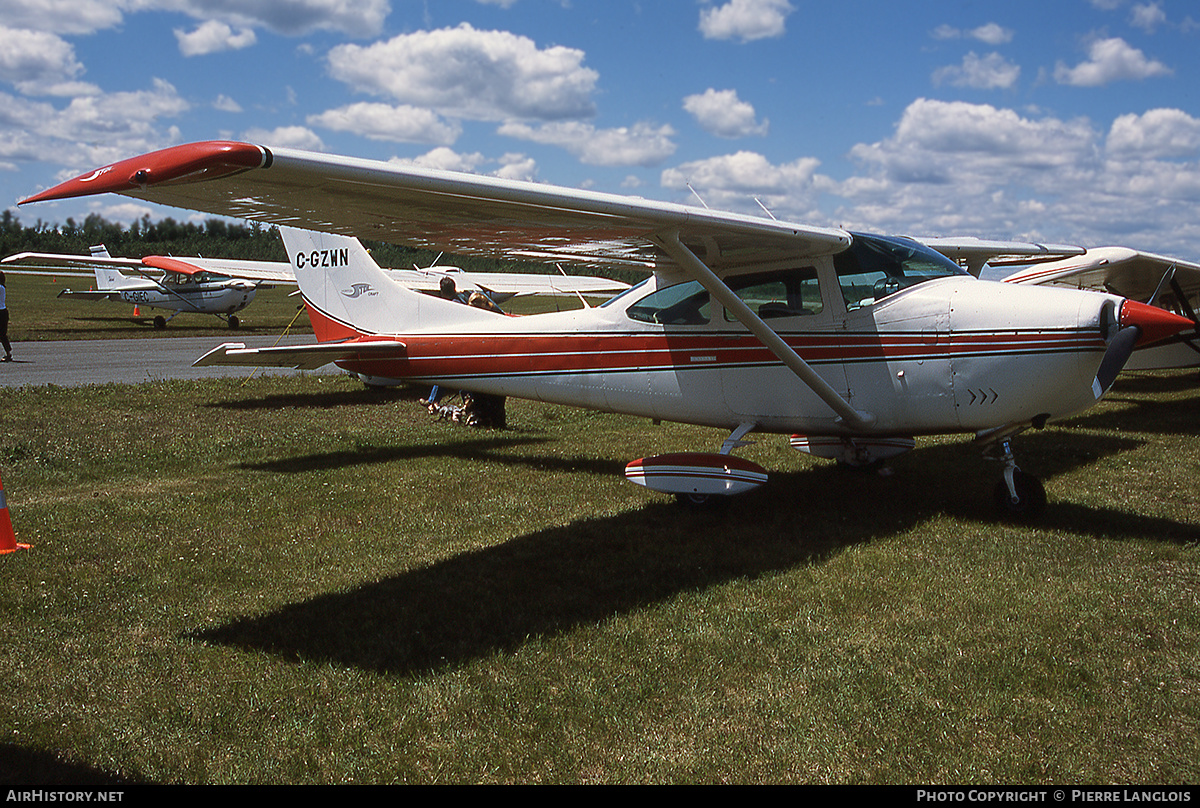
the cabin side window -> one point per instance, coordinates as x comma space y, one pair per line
782, 293
681, 304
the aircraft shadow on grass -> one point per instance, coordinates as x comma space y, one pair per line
319, 401
1136, 404
549, 581
489, 449
25, 767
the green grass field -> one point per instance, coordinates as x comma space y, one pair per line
303, 581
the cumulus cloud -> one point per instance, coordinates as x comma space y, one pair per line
291, 17
398, 124
62, 16
991, 72
1110, 60
642, 144
1147, 16
952, 168
512, 166
745, 20
212, 37
39, 63
359, 18
292, 137
744, 179
90, 130
1157, 134
722, 113
990, 33
466, 73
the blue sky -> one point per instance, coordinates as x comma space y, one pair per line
1060, 120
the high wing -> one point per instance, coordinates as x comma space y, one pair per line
259, 271
973, 252
458, 213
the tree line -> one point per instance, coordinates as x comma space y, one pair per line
212, 238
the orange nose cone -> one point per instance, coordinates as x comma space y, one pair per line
1156, 324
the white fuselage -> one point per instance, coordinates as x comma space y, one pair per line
948, 355
200, 293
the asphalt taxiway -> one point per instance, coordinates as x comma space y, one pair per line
129, 361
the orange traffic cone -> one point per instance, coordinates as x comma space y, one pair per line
136, 311
8, 539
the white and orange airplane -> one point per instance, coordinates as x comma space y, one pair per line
853, 344
196, 285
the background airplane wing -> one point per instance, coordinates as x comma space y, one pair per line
464, 214
1119, 270
274, 271
973, 252
64, 265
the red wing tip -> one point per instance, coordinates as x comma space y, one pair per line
211, 158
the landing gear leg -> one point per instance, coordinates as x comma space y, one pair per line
1018, 495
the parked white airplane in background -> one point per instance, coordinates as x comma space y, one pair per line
1169, 283
855, 344
197, 285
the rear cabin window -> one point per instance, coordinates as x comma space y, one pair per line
782, 293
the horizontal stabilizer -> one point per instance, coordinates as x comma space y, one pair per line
298, 357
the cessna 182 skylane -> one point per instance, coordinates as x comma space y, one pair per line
852, 343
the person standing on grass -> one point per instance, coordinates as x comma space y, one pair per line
4, 320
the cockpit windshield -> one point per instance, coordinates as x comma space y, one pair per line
877, 266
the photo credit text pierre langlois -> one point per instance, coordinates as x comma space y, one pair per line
1055, 795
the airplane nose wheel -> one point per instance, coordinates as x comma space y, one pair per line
1018, 495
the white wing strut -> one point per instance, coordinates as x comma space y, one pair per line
856, 419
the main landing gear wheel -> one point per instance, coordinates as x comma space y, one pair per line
1024, 499
233, 321
695, 500
160, 322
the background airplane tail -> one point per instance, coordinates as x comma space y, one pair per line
109, 279
348, 295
